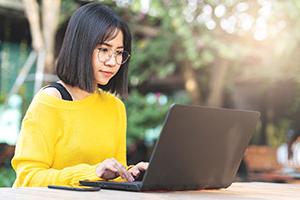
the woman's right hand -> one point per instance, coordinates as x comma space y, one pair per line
110, 168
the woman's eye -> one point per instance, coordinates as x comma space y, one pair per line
119, 52
103, 49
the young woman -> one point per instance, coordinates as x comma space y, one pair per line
75, 129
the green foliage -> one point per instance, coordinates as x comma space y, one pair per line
277, 132
144, 112
13, 57
2, 99
67, 8
7, 177
151, 57
147, 112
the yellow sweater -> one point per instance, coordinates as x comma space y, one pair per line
62, 142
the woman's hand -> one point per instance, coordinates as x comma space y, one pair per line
136, 170
111, 168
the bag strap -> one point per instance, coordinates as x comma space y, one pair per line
62, 90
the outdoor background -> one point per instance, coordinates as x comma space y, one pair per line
240, 54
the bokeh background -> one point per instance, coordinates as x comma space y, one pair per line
241, 54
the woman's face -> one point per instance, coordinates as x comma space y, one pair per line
105, 60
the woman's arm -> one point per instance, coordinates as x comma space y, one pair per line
34, 157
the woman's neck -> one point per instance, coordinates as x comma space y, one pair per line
76, 92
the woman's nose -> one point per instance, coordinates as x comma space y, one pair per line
111, 61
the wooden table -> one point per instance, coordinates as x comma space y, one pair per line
237, 191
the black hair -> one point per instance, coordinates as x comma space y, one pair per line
90, 25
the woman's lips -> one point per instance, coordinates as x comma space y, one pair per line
106, 73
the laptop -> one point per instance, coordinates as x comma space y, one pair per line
198, 148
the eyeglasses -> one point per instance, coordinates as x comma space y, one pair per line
104, 54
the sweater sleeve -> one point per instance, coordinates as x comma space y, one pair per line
121, 151
34, 156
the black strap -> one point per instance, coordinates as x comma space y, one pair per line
62, 90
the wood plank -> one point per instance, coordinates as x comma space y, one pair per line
238, 191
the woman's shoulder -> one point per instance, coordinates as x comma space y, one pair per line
45, 99
37, 108
51, 91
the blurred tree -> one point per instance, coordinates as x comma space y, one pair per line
43, 36
221, 45
215, 48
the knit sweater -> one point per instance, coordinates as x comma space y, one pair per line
62, 142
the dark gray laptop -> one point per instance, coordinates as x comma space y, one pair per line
198, 148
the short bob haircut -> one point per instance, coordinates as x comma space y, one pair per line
90, 25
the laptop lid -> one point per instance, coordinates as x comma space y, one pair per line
199, 147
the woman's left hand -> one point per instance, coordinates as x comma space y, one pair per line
136, 170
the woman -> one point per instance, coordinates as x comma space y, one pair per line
73, 130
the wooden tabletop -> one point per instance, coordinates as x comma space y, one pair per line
237, 191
